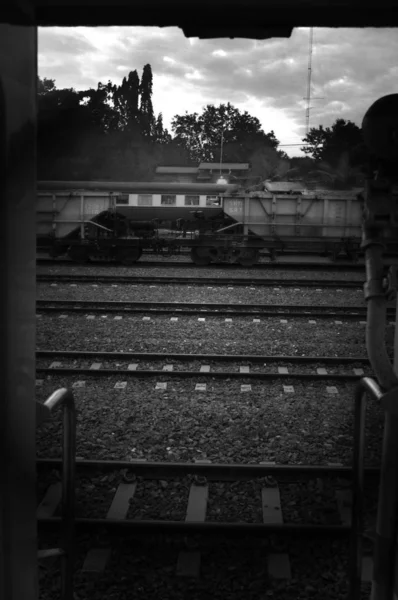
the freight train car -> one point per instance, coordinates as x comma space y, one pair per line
117, 221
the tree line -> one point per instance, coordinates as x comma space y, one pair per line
112, 133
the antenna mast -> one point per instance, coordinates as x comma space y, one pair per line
308, 96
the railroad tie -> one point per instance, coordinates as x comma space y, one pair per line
120, 385
95, 366
78, 384
188, 564
278, 564
97, 558
55, 365
50, 502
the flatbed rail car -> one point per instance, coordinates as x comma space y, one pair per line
217, 222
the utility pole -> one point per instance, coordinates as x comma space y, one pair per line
222, 143
308, 96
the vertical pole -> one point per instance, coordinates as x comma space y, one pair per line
358, 493
307, 112
246, 215
222, 142
395, 594
18, 71
82, 216
387, 520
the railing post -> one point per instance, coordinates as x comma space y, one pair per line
358, 493
64, 398
365, 386
68, 497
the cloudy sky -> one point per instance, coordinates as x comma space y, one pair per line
351, 69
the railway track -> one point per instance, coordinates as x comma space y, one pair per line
221, 358
293, 265
197, 281
204, 309
186, 366
196, 511
204, 472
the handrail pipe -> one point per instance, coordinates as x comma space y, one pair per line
64, 398
376, 296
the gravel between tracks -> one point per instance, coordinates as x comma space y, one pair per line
213, 336
222, 424
175, 293
141, 270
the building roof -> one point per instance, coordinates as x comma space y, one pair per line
283, 187
232, 166
133, 187
182, 170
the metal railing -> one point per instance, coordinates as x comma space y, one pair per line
64, 398
389, 402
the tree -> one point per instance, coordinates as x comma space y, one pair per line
103, 115
201, 134
160, 134
146, 109
125, 98
315, 140
98, 133
339, 149
45, 85
188, 134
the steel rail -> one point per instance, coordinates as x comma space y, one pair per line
330, 266
196, 374
210, 309
202, 357
199, 281
210, 313
204, 528
212, 471
199, 305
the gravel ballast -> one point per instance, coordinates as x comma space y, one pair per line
222, 424
175, 293
214, 335
142, 270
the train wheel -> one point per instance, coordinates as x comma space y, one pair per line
248, 258
200, 256
129, 256
78, 254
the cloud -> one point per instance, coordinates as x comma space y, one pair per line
351, 68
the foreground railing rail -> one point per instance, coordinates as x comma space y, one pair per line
389, 402
64, 398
